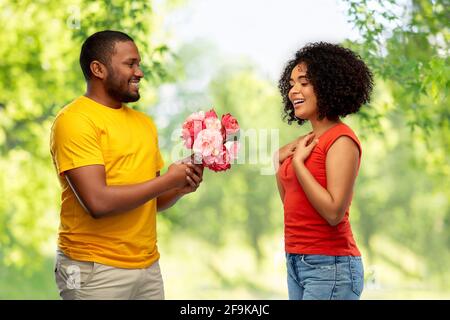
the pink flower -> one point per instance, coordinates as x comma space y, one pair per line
191, 127
211, 114
208, 143
200, 116
206, 135
221, 162
232, 148
188, 138
230, 124
213, 123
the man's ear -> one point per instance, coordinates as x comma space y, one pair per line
98, 69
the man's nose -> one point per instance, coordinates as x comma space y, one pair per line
139, 73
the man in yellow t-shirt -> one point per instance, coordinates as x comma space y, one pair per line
108, 163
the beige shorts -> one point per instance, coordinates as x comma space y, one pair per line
81, 280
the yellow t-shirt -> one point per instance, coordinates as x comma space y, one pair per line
125, 141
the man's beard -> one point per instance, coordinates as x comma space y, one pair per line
114, 89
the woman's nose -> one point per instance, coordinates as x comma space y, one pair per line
296, 88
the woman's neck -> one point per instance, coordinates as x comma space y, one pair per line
320, 126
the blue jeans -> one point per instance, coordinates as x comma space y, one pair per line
320, 277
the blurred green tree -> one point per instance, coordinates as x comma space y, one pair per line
406, 198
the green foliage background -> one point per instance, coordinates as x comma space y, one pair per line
229, 239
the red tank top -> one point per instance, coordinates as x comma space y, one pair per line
305, 231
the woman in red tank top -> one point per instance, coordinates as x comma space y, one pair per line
316, 173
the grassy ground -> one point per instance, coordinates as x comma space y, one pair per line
17, 285
193, 269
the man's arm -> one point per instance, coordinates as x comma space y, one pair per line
194, 178
100, 200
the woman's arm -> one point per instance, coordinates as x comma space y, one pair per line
282, 154
285, 152
280, 187
341, 170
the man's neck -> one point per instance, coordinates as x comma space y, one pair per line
102, 98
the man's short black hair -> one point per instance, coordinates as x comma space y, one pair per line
100, 47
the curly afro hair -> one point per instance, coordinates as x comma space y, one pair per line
341, 80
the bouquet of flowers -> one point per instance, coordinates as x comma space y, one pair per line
214, 142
